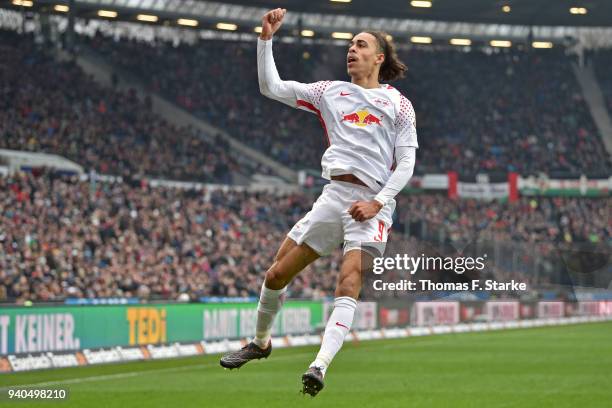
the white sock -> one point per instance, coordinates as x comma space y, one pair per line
270, 302
338, 326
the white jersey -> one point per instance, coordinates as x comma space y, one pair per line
362, 126
366, 129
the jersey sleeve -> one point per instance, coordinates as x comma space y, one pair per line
308, 97
292, 93
405, 124
405, 158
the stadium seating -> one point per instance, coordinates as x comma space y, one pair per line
201, 80
52, 106
476, 111
505, 111
60, 237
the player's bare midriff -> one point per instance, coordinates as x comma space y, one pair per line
349, 178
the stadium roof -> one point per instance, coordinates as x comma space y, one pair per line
544, 21
521, 12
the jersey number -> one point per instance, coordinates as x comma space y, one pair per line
381, 231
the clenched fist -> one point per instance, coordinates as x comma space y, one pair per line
271, 22
364, 210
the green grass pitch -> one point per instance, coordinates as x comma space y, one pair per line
564, 366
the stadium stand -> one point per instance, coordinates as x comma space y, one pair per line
225, 95
61, 237
477, 111
52, 106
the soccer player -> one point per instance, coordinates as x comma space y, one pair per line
371, 129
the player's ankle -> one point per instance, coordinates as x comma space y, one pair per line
321, 365
262, 343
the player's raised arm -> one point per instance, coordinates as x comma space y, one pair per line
270, 83
271, 22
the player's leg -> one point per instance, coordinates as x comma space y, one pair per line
340, 320
345, 304
290, 259
362, 241
316, 234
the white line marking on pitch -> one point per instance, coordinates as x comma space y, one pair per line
73, 380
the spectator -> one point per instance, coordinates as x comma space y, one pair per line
60, 237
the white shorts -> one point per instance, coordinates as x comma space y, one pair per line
329, 224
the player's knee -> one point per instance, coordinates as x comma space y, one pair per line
275, 278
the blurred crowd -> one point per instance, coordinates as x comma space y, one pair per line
476, 111
61, 237
52, 106
217, 81
563, 220
64, 237
506, 111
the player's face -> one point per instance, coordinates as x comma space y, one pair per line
364, 56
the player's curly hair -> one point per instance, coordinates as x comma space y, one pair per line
392, 68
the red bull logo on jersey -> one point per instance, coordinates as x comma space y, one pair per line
362, 118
